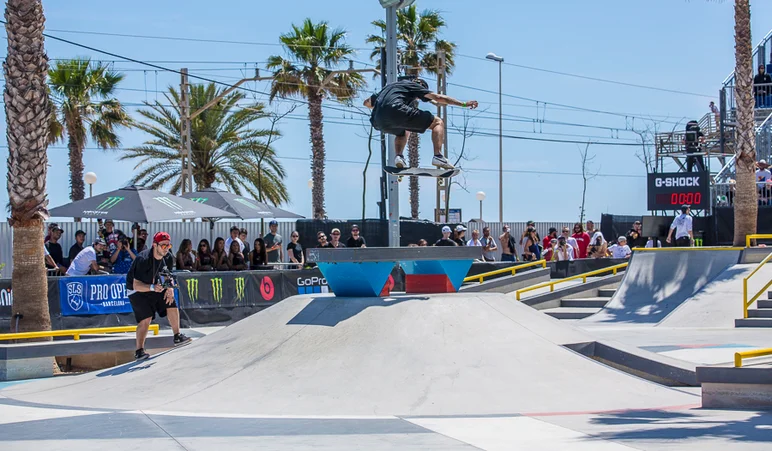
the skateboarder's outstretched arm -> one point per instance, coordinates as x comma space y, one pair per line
442, 99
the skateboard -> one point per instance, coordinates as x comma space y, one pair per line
422, 172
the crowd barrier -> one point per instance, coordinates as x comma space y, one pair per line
208, 298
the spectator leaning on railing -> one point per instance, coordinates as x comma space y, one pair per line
86, 260
446, 240
55, 250
621, 249
204, 258
488, 244
355, 240
80, 238
273, 243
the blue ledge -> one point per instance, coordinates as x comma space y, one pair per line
356, 279
456, 270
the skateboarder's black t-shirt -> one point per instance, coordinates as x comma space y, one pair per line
146, 268
355, 242
401, 93
445, 242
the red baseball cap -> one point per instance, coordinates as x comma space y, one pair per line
161, 236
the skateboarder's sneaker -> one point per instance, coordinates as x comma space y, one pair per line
180, 339
442, 162
399, 162
140, 354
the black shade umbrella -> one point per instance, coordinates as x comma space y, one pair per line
243, 207
138, 204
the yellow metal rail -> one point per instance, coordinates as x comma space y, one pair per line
748, 302
552, 283
739, 356
74, 333
748, 238
512, 269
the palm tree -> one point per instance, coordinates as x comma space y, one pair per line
314, 51
226, 149
28, 112
418, 36
84, 94
746, 198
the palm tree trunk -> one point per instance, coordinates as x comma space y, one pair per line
413, 159
317, 145
28, 112
746, 197
77, 187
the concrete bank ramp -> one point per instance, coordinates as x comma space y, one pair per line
658, 282
456, 354
719, 303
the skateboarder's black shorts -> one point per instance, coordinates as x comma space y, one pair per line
147, 306
395, 120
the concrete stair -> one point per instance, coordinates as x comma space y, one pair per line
579, 308
761, 316
571, 312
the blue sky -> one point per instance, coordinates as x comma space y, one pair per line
679, 45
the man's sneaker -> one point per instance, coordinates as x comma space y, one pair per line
180, 339
442, 162
399, 162
140, 354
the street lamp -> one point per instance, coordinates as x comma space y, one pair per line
90, 178
493, 57
481, 197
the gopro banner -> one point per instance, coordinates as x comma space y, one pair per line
228, 289
93, 295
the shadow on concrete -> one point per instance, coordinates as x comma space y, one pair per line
649, 300
130, 367
673, 425
329, 311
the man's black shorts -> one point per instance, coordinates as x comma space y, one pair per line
145, 306
395, 120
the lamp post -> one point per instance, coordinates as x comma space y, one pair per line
481, 198
493, 57
90, 178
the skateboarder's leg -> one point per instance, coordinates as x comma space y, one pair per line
173, 315
400, 142
438, 135
142, 328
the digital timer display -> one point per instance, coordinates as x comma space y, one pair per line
678, 199
668, 191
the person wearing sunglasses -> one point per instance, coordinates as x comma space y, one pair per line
147, 293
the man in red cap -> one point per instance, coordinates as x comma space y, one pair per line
147, 293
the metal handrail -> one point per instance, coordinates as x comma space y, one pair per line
512, 269
755, 52
754, 236
739, 356
746, 302
584, 277
74, 333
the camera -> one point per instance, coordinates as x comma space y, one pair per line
167, 279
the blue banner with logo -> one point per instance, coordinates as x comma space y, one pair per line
94, 295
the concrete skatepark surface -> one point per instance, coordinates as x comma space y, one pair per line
431, 372
656, 283
322, 355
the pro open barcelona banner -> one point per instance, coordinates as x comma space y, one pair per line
228, 289
94, 295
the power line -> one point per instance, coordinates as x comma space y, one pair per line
585, 77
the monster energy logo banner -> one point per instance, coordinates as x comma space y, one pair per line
200, 200
106, 205
251, 205
174, 206
225, 289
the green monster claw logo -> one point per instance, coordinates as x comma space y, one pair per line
192, 285
109, 203
200, 200
250, 205
240, 288
217, 289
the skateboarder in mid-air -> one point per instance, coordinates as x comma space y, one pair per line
395, 112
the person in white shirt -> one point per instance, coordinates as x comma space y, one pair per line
682, 225
570, 240
475, 241
563, 251
234, 237
653, 242
762, 173
621, 249
87, 259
